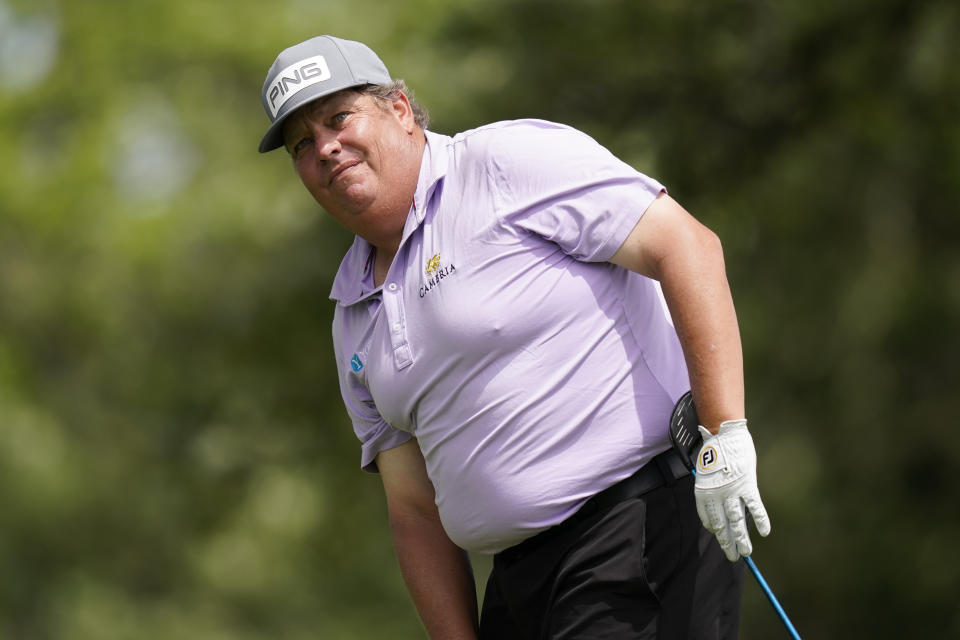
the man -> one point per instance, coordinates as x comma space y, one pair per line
509, 363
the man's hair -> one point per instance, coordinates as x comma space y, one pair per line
383, 93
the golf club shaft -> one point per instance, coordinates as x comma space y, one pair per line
772, 598
768, 592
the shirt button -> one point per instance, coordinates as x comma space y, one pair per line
392, 286
397, 327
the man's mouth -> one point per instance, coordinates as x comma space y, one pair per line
338, 171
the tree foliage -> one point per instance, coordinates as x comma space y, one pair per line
174, 458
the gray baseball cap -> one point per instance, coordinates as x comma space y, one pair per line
312, 69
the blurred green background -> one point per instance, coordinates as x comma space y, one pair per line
174, 459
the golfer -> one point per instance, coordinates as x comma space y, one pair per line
516, 317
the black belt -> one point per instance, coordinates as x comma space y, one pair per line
665, 469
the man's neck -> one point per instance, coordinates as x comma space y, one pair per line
382, 259
386, 249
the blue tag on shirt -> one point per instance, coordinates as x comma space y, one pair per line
355, 363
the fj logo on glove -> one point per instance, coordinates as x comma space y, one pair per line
708, 457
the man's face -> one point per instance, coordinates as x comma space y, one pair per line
357, 158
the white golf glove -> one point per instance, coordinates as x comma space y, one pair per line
726, 483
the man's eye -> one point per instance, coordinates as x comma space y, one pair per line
301, 145
339, 118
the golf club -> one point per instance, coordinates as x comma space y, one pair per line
686, 440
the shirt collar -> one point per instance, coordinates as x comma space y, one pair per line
433, 168
354, 279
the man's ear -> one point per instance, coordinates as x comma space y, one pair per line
400, 106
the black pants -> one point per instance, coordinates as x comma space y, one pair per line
641, 567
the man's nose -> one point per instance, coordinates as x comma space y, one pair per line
328, 145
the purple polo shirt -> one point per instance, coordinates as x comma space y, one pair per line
532, 372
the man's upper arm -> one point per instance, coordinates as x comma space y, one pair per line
671, 246
665, 229
405, 481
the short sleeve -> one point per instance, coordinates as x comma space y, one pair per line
559, 183
374, 433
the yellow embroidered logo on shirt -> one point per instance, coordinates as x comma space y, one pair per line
436, 272
433, 264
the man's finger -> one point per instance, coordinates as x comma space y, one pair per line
738, 525
759, 514
728, 544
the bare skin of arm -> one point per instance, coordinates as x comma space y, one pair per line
671, 246
436, 571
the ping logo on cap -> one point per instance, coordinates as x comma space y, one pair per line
295, 78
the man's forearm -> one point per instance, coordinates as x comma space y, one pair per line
695, 287
438, 576
698, 295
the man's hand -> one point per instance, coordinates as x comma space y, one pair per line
726, 483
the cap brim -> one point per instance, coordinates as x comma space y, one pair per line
273, 138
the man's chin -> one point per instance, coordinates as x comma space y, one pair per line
350, 204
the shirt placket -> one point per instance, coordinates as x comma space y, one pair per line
397, 325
